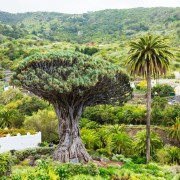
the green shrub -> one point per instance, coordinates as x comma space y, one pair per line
10, 118
162, 90
25, 162
121, 142
43, 170
140, 143
40, 172
86, 123
138, 160
168, 155
36, 152
174, 155
68, 170
89, 137
16, 177
108, 173
85, 177
136, 168
46, 122
32, 104
5, 164
43, 144
152, 168
170, 113
163, 156
121, 158
174, 130
108, 114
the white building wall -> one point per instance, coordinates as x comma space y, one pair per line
177, 74
19, 142
177, 90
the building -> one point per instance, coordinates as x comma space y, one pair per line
177, 90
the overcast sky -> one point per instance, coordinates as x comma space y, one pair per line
79, 6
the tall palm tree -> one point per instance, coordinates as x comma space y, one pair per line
149, 56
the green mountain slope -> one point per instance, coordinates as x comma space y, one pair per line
110, 31
101, 26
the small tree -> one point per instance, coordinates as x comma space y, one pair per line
162, 90
71, 81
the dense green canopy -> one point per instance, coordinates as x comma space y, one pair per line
71, 77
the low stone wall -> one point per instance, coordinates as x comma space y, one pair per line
19, 142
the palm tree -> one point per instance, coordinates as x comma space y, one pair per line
121, 142
149, 56
174, 130
139, 144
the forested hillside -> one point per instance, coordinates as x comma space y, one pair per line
108, 31
101, 26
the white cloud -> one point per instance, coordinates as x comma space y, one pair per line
80, 6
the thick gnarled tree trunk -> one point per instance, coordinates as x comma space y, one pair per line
70, 148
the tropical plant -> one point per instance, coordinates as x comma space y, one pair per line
121, 143
149, 56
168, 155
174, 154
44, 121
84, 122
140, 143
163, 156
71, 81
10, 118
162, 102
5, 164
105, 141
170, 114
174, 130
158, 106
89, 138
31, 104
162, 90
10, 95
107, 114
65, 171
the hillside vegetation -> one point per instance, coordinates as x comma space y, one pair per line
101, 26
109, 31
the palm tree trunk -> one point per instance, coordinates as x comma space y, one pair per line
148, 114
